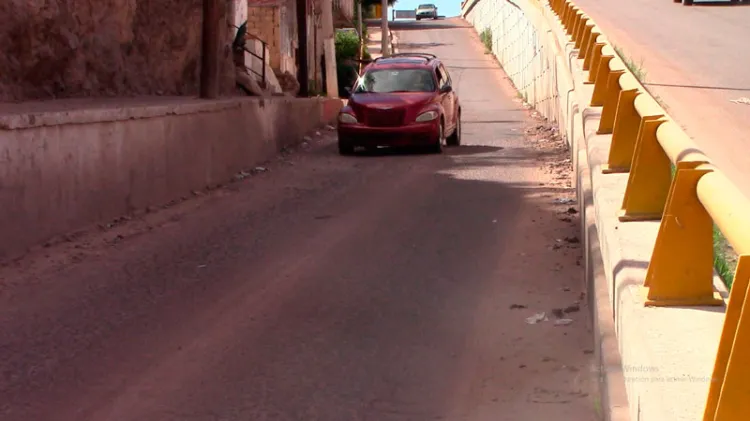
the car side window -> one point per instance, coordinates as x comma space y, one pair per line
440, 78
446, 77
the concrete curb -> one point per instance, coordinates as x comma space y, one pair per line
612, 404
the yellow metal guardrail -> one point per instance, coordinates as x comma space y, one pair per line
646, 142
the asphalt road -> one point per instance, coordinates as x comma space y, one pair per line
386, 287
696, 59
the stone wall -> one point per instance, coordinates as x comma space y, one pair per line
103, 48
65, 170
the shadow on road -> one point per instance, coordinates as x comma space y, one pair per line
720, 3
420, 45
710, 88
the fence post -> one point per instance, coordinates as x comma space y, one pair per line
681, 269
650, 176
610, 100
730, 370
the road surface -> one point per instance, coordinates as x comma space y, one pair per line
321, 287
696, 61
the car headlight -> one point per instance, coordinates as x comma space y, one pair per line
427, 116
347, 118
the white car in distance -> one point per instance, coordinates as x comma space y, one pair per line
427, 11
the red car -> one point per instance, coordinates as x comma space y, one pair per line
403, 100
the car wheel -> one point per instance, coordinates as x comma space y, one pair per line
345, 149
687, 2
437, 147
455, 138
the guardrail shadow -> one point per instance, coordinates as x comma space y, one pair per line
710, 88
720, 3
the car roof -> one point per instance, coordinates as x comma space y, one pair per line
406, 60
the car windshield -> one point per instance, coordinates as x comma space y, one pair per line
426, 6
395, 80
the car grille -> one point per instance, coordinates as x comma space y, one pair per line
385, 118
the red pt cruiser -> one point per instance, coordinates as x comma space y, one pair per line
403, 100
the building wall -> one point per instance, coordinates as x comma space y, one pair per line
264, 22
69, 169
103, 48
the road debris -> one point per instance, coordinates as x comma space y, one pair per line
743, 100
563, 322
517, 306
539, 317
574, 308
242, 175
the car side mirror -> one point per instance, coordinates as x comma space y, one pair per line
446, 89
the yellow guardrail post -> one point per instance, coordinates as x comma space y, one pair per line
602, 76
625, 127
565, 15
728, 392
574, 17
649, 179
681, 269
588, 34
651, 172
580, 27
611, 96
560, 6
591, 63
729, 387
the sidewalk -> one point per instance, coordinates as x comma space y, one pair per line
374, 39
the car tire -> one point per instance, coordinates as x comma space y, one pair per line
437, 147
455, 137
345, 149
687, 2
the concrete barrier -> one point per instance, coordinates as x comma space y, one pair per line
67, 168
648, 233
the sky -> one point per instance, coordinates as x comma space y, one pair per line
445, 7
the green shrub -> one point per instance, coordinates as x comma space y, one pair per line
486, 37
347, 50
347, 45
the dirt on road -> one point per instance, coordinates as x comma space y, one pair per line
391, 286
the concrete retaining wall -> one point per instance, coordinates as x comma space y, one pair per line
64, 170
652, 363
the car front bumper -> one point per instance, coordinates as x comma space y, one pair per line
417, 134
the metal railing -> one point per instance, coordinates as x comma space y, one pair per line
648, 144
240, 44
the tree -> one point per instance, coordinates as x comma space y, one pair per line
368, 3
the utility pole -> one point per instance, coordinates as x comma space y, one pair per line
384, 29
359, 19
302, 71
361, 34
329, 49
209, 82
